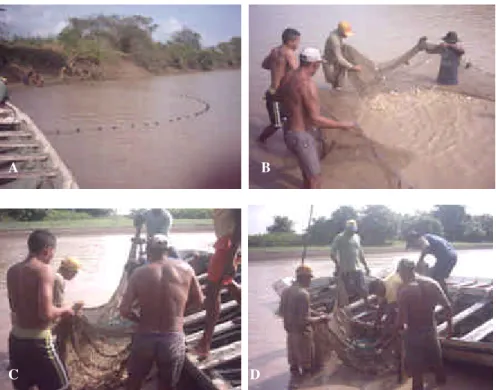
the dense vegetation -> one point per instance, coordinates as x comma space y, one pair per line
98, 40
378, 225
72, 214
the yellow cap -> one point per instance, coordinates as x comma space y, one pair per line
71, 264
3, 79
345, 28
304, 270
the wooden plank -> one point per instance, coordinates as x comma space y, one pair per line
479, 333
29, 175
221, 355
462, 315
199, 316
22, 157
20, 133
17, 144
220, 328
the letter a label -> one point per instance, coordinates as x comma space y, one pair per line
13, 168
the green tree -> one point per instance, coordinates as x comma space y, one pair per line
188, 38
453, 218
422, 223
281, 224
378, 225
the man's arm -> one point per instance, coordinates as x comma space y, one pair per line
311, 102
10, 290
433, 48
47, 311
291, 59
362, 260
128, 299
267, 62
195, 295
336, 47
402, 309
334, 253
443, 300
457, 48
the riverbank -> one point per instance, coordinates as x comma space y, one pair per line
109, 225
285, 253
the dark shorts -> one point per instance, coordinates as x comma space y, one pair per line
38, 364
422, 350
274, 109
354, 283
167, 350
443, 267
304, 146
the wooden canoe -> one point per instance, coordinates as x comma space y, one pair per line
472, 341
27, 160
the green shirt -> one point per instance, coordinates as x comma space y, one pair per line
348, 250
158, 223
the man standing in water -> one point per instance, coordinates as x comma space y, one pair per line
300, 98
30, 289
441, 249
337, 65
295, 310
346, 253
451, 53
163, 289
280, 60
417, 299
221, 269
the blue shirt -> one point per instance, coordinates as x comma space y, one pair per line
439, 247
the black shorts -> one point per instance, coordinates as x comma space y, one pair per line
443, 267
274, 109
37, 364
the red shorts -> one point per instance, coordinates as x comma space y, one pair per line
219, 261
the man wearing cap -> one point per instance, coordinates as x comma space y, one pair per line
295, 310
336, 67
299, 96
4, 92
279, 61
347, 253
221, 270
440, 248
417, 300
30, 291
451, 53
163, 289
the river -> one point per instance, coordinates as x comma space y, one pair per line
102, 258
429, 138
267, 339
181, 131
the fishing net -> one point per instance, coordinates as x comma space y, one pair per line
100, 340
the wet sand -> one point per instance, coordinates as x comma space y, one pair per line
435, 138
267, 339
155, 132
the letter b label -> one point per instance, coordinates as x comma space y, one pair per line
265, 167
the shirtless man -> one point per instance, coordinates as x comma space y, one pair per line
417, 300
299, 96
163, 289
280, 60
30, 290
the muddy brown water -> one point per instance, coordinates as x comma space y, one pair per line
267, 339
102, 258
438, 138
180, 131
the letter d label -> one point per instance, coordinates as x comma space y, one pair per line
254, 374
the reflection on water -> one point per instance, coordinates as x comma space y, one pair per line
156, 132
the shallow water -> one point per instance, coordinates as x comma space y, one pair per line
156, 132
444, 143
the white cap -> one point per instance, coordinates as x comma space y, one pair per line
159, 241
310, 54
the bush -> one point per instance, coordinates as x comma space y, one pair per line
59, 215
275, 239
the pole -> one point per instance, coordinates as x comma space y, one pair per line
305, 240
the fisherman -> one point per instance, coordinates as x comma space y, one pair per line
299, 96
417, 300
221, 271
279, 61
68, 270
4, 92
337, 65
451, 52
441, 249
30, 286
162, 289
295, 310
386, 290
346, 253
157, 221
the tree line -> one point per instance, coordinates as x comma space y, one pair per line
27, 215
379, 225
106, 38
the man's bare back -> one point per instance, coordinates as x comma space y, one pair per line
280, 61
163, 289
419, 299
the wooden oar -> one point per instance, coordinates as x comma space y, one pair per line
305, 238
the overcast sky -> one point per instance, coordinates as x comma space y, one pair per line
215, 23
259, 217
